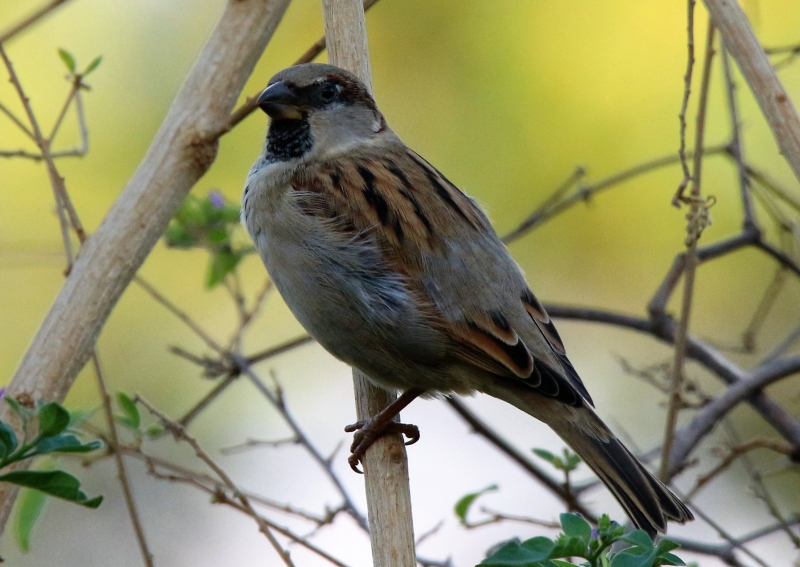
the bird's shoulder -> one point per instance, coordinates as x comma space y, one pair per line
390, 190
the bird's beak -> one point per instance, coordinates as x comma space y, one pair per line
279, 101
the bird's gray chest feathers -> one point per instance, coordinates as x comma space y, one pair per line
336, 284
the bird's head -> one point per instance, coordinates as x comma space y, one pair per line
318, 107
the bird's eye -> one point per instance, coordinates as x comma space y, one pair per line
328, 92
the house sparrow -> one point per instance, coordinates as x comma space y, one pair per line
396, 272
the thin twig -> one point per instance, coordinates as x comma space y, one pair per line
277, 402
214, 368
496, 517
17, 122
760, 487
485, 431
783, 346
736, 151
251, 444
179, 313
56, 181
30, 20
219, 494
697, 209
425, 535
736, 451
687, 91
747, 384
180, 432
122, 474
762, 310
585, 192
284, 531
215, 485
223, 384
732, 541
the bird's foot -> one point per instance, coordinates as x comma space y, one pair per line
368, 430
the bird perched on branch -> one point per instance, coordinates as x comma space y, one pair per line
396, 272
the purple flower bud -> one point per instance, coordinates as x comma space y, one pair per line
2, 392
595, 534
217, 200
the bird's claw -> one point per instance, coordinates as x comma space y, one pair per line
367, 430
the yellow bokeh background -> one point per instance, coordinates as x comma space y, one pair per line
506, 98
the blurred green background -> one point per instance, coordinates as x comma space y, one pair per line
506, 98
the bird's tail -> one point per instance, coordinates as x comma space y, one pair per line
648, 503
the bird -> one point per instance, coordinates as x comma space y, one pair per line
398, 273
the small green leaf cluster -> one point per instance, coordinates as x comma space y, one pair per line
463, 505
53, 437
130, 418
74, 74
568, 462
209, 223
579, 540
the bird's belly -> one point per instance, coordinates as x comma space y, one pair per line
352, 304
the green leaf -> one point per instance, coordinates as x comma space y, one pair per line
154, 430
666, 545
546, 455
55, 483
640, 538
77, 418
8, 440
68, 59
550, 458
63, 444
567, 546
218, 236
179, 236
18, 408
541, 545
93, 65
631, 558
53, 419
575, 526
191, 212
642, 554
530, 553
571, 460
131, 417
462, 506
231, 213
222, 263
670, 559
30, 505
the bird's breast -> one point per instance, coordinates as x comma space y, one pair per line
340, 290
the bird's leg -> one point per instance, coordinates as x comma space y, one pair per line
367, 430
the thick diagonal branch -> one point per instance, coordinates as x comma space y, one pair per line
741, 42
179, 155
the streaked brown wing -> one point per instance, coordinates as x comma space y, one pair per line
411, 210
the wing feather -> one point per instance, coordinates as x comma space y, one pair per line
397, 199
